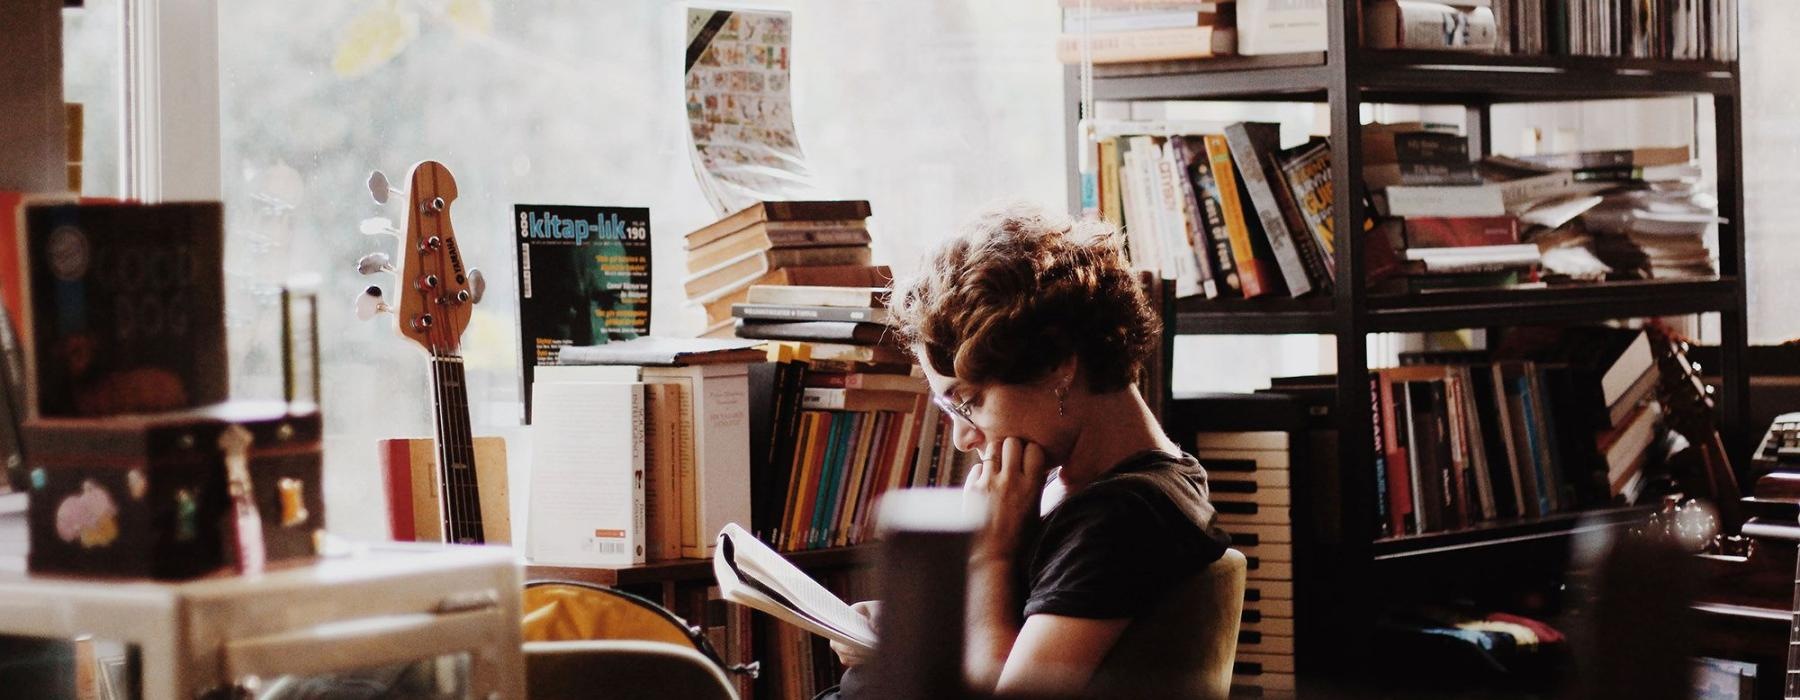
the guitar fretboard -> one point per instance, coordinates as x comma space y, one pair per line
461, 494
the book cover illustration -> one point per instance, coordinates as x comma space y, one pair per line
584, 279
125, 307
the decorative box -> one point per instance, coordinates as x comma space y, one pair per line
148, 495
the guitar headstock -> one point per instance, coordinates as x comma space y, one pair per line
1687, 403
436, 290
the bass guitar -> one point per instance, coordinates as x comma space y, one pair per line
452, 489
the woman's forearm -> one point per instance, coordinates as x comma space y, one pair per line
993, 621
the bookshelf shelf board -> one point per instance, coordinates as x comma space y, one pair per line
1459, 308
1413, 77
1477, 308
1312, 314
1507, 532
1404, 76
1300, 77
687, 570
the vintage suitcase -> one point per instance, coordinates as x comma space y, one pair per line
148, 495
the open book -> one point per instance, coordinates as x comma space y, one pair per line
750, 573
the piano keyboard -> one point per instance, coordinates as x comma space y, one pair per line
1248, 474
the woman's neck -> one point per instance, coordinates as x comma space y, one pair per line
1114, 426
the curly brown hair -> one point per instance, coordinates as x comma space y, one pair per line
1017, 292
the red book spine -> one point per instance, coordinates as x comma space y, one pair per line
1460, 231
1400, 505
396, 466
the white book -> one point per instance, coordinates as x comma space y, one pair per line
587, 474
1178, 247
1280, 26
713, 477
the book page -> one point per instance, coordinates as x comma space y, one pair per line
752, 574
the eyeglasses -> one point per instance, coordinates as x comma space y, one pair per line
960, 410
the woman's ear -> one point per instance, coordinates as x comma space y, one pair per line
1066, 374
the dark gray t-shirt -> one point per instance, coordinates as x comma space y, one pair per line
1113, 548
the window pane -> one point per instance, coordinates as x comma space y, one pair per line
928, 109
92, 62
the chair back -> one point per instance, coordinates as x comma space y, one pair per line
619, 669
1185, 645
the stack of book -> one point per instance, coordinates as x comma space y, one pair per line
771, 243
1148, 31
1425, 171
849, 415
1223, 211
643, 442
1125, 31
1657, 232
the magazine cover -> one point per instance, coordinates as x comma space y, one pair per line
584, 279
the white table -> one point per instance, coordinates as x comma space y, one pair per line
375, 606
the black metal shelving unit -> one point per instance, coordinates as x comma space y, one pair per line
1335, 576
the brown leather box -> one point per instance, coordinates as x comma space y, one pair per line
146, 495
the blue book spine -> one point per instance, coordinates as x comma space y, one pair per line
1535, 443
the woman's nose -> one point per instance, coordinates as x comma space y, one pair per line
964, 435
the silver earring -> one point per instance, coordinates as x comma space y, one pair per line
1061, 394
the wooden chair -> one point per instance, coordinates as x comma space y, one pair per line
1184, 647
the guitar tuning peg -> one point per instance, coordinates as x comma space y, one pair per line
1696, 367
477, 286
369, 303
373, 263
378, 225
1710, 390
380, 189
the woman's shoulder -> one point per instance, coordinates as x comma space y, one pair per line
1147, 477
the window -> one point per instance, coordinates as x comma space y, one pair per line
927, 109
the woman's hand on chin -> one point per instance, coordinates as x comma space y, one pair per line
1009, 480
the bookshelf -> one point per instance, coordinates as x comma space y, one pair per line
1340, 573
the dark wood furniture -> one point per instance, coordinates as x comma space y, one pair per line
1342, 570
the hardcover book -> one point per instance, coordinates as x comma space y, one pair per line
124, 307
584, 279
823, 210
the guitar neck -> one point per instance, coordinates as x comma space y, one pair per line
1792, 688
456, 453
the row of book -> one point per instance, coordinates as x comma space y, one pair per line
1468, 438
1125, 31
1664, 29
841, 434
1226, 214
850, 416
